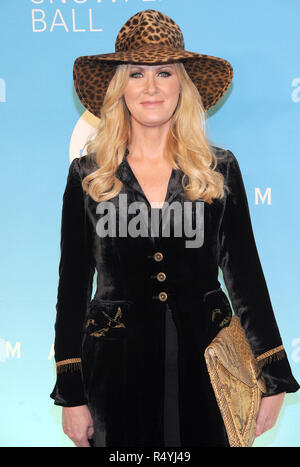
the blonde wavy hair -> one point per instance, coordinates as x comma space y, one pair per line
187, 147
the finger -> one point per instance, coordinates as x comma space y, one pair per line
260, 425
80, 440
90, 432
259, 430
83, 443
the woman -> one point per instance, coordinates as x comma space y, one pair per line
130, 362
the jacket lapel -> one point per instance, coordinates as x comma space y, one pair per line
126, 175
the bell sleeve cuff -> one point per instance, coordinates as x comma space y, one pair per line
276, 371
76, 271
69, 390
244, 279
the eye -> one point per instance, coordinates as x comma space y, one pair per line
138, 74
165, 73
134, 75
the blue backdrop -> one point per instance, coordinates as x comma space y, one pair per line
43, 126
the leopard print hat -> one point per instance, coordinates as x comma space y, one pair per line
149, 37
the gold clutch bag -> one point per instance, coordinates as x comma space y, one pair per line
234, 375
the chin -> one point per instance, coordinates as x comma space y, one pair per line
155, 124
153, 121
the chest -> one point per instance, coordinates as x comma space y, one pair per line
153, 181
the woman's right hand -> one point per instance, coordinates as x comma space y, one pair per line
78, 424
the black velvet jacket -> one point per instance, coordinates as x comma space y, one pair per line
115, 341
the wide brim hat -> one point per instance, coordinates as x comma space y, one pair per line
150, 38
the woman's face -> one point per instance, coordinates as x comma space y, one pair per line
152, 93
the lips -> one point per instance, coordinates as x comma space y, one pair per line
151, 103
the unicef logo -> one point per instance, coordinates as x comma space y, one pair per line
84, 128
296, 92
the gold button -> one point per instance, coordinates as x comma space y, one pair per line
161, 276
158, 256
162, 296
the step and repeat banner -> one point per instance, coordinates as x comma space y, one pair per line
43, 127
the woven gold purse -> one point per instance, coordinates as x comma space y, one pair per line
234, 374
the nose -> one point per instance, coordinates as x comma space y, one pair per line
150, 83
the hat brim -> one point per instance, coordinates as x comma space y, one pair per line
92, 73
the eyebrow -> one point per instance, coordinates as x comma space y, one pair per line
144, 68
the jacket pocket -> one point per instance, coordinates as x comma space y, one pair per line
107, 318
104, 353
218, 311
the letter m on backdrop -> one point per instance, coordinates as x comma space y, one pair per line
267, 196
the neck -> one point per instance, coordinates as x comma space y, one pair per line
148, 142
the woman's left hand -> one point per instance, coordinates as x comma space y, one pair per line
268, 412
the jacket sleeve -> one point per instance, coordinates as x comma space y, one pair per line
76, 271
246, 285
